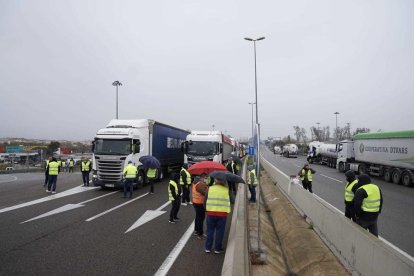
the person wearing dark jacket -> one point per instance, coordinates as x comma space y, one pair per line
305, 175
350, 189
174, 195
185, 182
368, 204
232, 167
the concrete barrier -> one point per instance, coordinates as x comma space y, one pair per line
237, 260
360, 252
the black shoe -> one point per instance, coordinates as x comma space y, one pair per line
218, 251
130, 196
176, 219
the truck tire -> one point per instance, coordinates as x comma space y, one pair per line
387, 175
362, 169
396, 176
140, 179
160, 175
407, 178
341, 167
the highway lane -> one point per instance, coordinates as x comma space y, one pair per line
396, 221
73, 243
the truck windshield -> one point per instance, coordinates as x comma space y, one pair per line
202, 148
112, 147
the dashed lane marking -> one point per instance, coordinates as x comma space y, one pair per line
7, 178
334, 179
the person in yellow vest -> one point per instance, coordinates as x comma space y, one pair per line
174, 195
185, 182
218, 207
350, 189
71, 164
85, 169
152, 174
62, 165
252, 182
305, 175
53, 169
368, 204
130, 174
199, 191
47, 171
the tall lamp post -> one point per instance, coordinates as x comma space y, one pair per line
252, 120
258, 142
116, 84
336, 125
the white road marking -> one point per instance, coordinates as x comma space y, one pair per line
7, 178
297, 166
66, 207
169, 261
116, 207
332, 178
148, 216
72, 191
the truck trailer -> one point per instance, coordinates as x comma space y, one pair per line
290, 150
127, 140
319, 152
207, 146
389, 155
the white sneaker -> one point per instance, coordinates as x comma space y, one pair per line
53, 192
190, 203
47, 191
184, 204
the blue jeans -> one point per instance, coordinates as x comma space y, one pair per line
128, 187
252, 189
51, 185
217, 225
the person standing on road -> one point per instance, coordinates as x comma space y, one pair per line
47, 171
151, 176
368, 204
130, 174
185, 182
350, 189
199, 191
85, 169
62, 166
232, 167
174, 195
53, 169
71, 164
252, 182
305, 175
218, 207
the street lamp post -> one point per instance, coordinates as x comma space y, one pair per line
116, 84
336, 125
258, 142
252, 120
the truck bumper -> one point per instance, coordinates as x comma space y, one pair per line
98, 182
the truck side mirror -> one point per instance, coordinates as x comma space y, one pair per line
184, 147
136, 147
93, 146
221, 148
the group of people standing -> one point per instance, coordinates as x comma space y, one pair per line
54, 166
363, 199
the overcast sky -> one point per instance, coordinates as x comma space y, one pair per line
185, 63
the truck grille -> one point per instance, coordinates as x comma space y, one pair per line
109, 170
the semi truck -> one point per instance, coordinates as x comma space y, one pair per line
122, 141
207, 146
319, 152
290, 150
389, 155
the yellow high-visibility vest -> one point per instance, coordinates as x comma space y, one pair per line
172, 183
188, 177
53, 168
309, 175
373, 201
218, 199
85, 166
130, 171
70, 163
349, 195
151, 173
249, 178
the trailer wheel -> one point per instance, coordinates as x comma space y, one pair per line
387, 175
407, 178
341, 167
396, 176
362, 169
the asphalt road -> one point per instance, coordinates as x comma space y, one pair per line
395, 223
82, 240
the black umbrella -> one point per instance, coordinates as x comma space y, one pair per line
226, 176
150, 162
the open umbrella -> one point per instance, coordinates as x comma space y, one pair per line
205, 167
150, 162
227, 176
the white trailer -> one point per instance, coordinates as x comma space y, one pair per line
207, 146
386, 154
322, 153
290, 150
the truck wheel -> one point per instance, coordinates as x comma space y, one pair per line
140, 179
341, 167
407, 178
362, 169
387, 175
160, 175
396, 176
